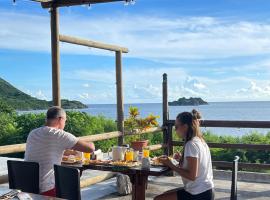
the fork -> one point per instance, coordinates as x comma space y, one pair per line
11, 194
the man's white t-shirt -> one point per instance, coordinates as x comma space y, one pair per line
46, 145
204, 181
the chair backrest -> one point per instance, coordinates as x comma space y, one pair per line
23, 175
234, 178
67, 182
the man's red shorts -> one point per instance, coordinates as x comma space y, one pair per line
50, 193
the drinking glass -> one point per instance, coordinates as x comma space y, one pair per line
129, 155
146, 152
87, 156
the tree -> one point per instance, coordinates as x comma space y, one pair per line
5, 108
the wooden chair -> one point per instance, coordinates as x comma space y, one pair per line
234, 178
23, 175
67, 183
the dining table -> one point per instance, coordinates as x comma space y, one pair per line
138, 175
30, 195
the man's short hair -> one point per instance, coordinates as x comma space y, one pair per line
55, 112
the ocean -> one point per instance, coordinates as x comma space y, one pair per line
257, 111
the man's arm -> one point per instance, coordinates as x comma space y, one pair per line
84, 146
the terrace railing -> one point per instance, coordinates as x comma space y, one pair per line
168, 128
168, 143
18, 148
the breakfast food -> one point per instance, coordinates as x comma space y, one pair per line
65, 158
156, 161
124, 164
96, 162
71, 159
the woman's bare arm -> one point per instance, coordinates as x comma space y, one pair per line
191, 172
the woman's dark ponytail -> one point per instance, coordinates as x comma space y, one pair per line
192, 120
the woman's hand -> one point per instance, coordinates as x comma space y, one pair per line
166, 161
177, 156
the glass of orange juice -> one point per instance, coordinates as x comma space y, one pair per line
146, 152
129, 155
86, 156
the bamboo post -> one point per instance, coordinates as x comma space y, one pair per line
165, 112
119, 94
55, 56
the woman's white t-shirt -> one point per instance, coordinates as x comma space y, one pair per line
197, 148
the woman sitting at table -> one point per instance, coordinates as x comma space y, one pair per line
195, 166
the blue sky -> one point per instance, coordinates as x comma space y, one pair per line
218, 50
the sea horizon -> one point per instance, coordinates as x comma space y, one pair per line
244, 110
242, 101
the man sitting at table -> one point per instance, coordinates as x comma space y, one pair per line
46, 145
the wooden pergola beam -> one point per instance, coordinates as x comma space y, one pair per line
56, 37
93, 44
119, 95
42, 1
118, 69
55, 56
63, 3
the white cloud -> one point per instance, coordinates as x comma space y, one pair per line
161, 39
255, 91
40, 95
199, 86
141, 85
193, 87
96, 75
37, 94
84, 96
86, 85
145, 36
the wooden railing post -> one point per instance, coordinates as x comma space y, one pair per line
55, 56
119, 94
234, 178
165, 112
170, 140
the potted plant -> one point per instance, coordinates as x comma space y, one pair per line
135, 125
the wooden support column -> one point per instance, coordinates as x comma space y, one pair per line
119, 95
165, 112
55, 56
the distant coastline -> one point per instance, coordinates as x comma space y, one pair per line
19, 100
209, 102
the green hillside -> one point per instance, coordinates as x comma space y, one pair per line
21, 101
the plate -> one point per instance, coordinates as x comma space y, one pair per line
125, 164
155, 162
97, 162
71, 160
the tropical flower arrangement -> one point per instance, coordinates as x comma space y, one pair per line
135, 125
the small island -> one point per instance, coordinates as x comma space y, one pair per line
192, 101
